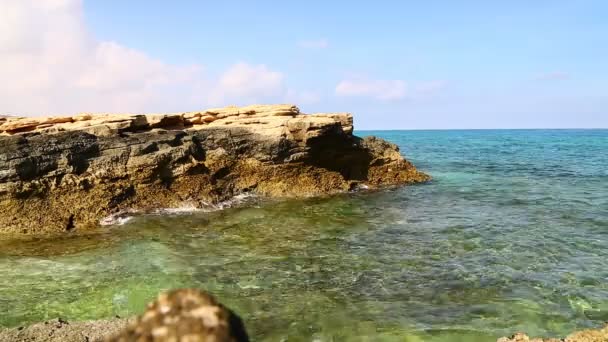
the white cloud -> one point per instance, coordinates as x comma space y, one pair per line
246, 83
385, 90
50, 64
314, 44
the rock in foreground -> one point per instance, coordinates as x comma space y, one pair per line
185, 315
592, 335
64, 173
59, 330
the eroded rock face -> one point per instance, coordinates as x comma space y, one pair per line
64, 173
184, 315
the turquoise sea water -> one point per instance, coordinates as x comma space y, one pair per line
512, 234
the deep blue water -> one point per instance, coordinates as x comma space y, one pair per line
511, 234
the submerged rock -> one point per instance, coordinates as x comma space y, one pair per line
591, 335
67, 173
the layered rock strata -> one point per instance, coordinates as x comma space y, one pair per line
66, 173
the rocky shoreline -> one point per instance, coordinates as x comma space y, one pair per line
189, 315
179, 315
60, 330
60, 174
64, 174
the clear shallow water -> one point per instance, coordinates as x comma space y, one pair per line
512, 234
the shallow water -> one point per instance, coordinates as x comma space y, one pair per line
511, 235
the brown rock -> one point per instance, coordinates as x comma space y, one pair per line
591, 335
185, 315
65, 174
59, 330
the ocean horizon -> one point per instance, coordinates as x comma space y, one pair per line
363, 131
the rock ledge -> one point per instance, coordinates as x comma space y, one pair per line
65, 173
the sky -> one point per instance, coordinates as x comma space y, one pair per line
392, 64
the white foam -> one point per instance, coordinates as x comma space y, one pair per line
123, 217
359, 187
178, 210
236, 200
117, 219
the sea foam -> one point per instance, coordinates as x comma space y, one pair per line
123, 217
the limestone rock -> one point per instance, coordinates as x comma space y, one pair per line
184, 315
61, 174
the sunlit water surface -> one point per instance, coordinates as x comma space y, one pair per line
512, 234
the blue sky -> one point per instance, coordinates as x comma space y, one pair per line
393, 64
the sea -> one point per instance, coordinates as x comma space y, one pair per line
510, 235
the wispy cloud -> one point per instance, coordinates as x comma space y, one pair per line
314, 44
553, 76
244, 83
54, 66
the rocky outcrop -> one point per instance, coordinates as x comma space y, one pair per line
64, 173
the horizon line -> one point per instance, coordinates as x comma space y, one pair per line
485, 129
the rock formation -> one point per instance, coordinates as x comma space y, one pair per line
60, 330
184, 315
187, 315
65, 173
